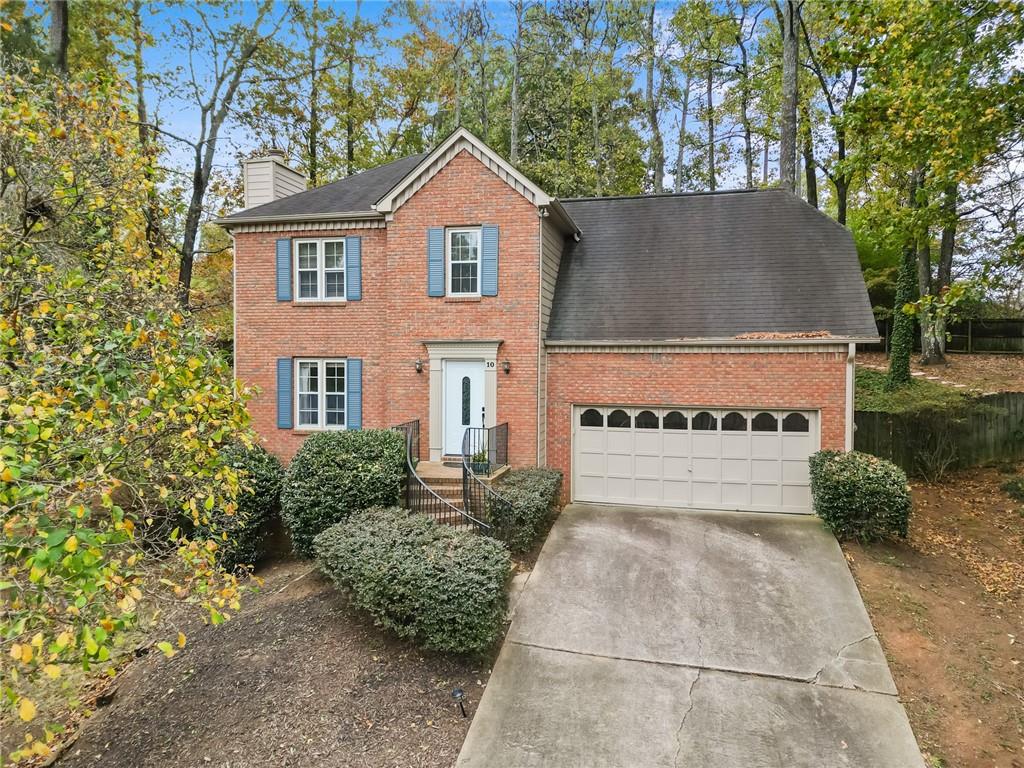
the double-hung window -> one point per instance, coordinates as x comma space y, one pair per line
320, 270
463, 247
320, 394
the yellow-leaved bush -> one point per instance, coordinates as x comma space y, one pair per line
113, 407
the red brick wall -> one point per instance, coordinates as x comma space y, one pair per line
386, 329
798, 380
266, 329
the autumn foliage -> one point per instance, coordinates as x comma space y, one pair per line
112, 406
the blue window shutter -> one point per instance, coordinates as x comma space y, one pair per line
284, 393
435, 261
354, 268
489, 260
284, 269
354, 392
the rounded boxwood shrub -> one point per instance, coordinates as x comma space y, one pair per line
334, 474
259, 496
442, 588
531, 494
860, 496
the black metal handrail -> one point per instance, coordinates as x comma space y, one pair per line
420, 497
487, 448
480, 500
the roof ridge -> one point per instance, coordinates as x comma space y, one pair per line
660, 195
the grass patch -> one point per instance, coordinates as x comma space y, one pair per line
918, 395
1015, 488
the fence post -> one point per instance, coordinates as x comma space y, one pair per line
970, 334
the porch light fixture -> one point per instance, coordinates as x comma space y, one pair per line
506, 366
419, 366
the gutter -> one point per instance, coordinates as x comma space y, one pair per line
229, 221
727, 341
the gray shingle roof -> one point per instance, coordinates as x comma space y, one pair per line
716, 265
355, 194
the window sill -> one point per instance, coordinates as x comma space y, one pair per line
461, 299
313, 430
326, 303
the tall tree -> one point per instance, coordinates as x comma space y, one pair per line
788, 14
59, 35
652, 99
230, 47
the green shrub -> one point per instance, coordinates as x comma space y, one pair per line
532, 494
337, 473
1015, 488
442, 588
860, 496
259, 498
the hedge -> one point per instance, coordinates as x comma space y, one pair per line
442, 588
259, 497
532, 494
860, 496
334, 474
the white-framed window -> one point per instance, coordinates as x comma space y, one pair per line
320, 270
320, 394
462, 247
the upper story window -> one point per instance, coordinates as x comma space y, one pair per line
320, 394
463, 257
320, 270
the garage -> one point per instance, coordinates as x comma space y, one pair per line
706, 458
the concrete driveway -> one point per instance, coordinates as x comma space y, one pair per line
651, 638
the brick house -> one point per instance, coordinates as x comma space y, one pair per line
671, 350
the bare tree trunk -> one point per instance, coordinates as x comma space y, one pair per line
595, 124
764, 163
787, 121
350, 96
657, 161
810, 172
59, 35
142, 116
945, 271
933, 327
681, 148
314, 100
748, 146
517, 52
709, 90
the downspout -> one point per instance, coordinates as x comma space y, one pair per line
850, 361
541, 362
234, 314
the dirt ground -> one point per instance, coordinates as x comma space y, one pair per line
948, 606
985, 373
298, 678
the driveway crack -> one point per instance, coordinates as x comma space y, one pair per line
837, 656
682, 721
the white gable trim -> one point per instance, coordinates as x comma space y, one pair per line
460, 140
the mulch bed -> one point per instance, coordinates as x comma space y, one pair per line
948, 606
298, 678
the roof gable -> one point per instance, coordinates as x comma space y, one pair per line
460, 140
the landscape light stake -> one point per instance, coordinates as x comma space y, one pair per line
459, 695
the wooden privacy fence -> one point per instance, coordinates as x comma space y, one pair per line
991, 428
964, 336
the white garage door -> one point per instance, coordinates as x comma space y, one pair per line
707, 458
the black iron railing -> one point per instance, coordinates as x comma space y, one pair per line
420, 497
487, 448
411, 430
482, 449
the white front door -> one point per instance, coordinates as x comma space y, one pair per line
463, 401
